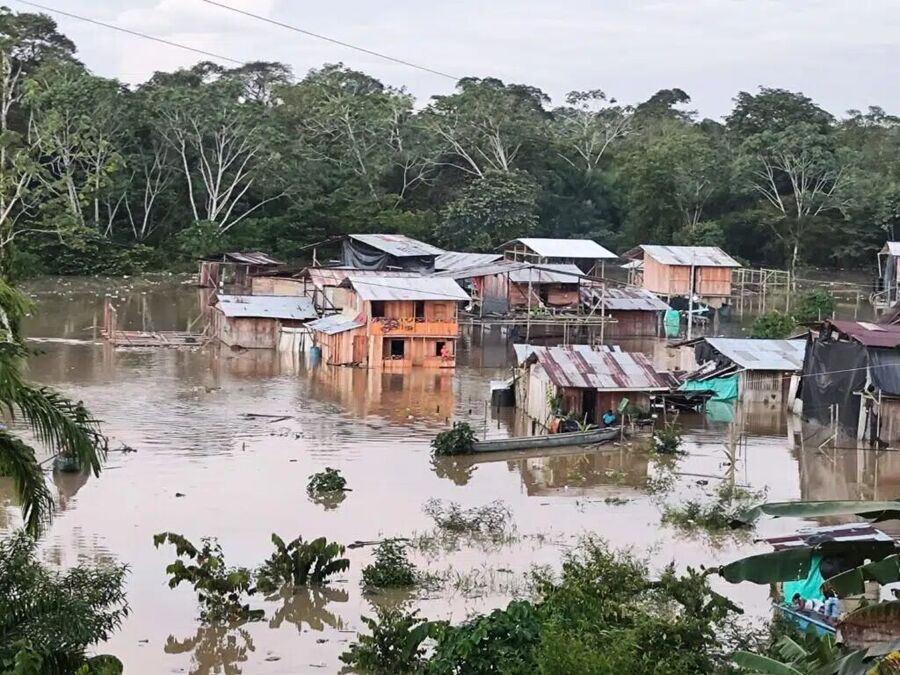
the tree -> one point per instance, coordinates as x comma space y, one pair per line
51, 618
586, 128
774, 110
56, 422
772, 325
489, 212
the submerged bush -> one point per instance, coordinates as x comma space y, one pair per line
773, 325
327, 482
300, 563
391, 569
49, 619
666, 440
393, 645
459, 440
713, 517
492, 520
814, 305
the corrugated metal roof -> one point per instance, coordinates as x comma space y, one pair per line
397, 245
753, 354
499, 267
266, 307
892, 248
322, 277
601, 368
455, 260
336, 323
633, 265
627, 299
405, 288
811, 536
698, 256
257, 258
869, 334
564, 248
547, 274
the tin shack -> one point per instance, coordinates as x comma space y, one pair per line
393, 322
589, 256
552, 286
582, 381
682, 271
260, 321
634, 312
235, 268
325, 285
388, 252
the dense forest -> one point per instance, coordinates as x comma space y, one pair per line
97, 177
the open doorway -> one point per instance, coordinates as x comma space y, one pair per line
589, 406
396, 349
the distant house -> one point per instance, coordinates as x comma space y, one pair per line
234, 268
888, 276
669, 271
388, 252
260, 321
589, 256
550, 285
393, 322
277, 282
851, 379
487, 284
325, 285
635, 312
457, 260
582, 381
748, 369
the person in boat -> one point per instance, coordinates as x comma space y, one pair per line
831, 608
608, 418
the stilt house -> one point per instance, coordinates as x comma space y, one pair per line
259, 321
682, 271
234, 268
589, 256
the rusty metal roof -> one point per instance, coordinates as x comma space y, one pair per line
266, 307
397, 245
455, 260
810, 536
587, 249
257, 258
406, 288
322, 277
337, 323
598, 367
869, 334
547, 274
698, 256
757, 354
626, 299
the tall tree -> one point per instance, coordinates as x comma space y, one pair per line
586, 128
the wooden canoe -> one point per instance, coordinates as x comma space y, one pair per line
564, 440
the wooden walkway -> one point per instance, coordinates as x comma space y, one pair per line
141, 338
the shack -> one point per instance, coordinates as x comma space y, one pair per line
325, 285
888, 286
261, 321
393, 322
747, 369
703, 272
582, 381
851, 380
589, 256
633, 312
457, 260
234, 268
487, 284
550, 285
277, 282
388, 252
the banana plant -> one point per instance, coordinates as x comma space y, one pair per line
300, 563
874, 511
821, 656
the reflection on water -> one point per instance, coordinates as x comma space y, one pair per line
239, 433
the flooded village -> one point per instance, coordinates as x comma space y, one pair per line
234, 385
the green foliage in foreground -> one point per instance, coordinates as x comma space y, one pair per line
813, 655
300, 563
773, 325
604, 614
48, 619
667, 439
458, 440
391, 569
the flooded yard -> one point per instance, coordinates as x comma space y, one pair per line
225, 443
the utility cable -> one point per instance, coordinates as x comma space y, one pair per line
325, 38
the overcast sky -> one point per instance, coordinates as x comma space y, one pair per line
842, 53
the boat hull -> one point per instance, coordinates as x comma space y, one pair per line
804, 621
564, 440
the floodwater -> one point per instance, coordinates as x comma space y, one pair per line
208, 463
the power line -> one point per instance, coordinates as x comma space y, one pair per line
319, 36
131, 32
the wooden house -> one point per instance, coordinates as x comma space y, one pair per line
551, 285
888, 292
748, 369
235, 268
671, 271
582, 382
261, 321
327, 287
634, 312
282, 283
589, 256
393, 322
388, 252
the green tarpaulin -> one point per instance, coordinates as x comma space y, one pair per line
726, 388
809, 588
672, 320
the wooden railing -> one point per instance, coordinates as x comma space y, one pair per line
414, 326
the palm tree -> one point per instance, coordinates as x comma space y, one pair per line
56, 422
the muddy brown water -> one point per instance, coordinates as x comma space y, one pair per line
242, 478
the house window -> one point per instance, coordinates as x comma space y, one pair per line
397, 349
420, 309
377, 309
439, 347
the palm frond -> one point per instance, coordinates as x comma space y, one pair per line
19, 462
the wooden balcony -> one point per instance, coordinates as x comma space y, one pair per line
411, 327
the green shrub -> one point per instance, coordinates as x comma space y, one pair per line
666, 440
814, 305
492, 520
773, 325
391, 569
394, 645
459, 440
300, 563
329, 481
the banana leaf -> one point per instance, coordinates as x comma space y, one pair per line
871, 510
757, 663
852, 582
874, 627
788, 564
